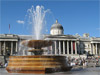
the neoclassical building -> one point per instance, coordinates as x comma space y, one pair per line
67, 45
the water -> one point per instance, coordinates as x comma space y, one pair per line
80, 71
23, 49
36, 17
37, 20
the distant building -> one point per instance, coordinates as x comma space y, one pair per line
68, 45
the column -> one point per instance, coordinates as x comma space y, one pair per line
51, 49
59, 47
55, 47
75, 48
63, 47
93, 49
96, 48
71, 47
0, 48
4, 48
16, 47
67, 47
11, 48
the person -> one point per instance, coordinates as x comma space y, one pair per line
1, 65
6, 64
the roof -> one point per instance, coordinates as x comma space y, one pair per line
7, 36
61, 36
57, 26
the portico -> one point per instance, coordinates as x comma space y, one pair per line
95, 46
8, 45
63, 46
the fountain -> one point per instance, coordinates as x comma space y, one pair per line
37, 45
37, 63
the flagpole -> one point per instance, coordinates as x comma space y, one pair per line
9, 28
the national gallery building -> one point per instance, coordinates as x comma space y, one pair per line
67, 45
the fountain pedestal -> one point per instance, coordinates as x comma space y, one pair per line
38, 63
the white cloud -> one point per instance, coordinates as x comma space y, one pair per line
98, 28
20, 22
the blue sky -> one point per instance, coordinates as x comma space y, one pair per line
76, 16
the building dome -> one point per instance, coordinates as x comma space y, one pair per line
56, 29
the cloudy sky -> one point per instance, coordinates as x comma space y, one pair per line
76, 16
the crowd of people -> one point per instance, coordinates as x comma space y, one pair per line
2, 65
79, 61
83, 61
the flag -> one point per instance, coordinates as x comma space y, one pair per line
74, 46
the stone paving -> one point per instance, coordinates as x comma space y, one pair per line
79, 71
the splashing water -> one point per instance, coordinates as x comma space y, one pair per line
37, 20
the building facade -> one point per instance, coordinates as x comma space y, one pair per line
67, 45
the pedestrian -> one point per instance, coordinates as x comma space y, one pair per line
1, 65
6, 64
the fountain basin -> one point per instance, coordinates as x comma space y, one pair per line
37, 44
37, 64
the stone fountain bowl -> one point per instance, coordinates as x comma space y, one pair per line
37, 44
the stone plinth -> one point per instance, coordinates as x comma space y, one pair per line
37, 64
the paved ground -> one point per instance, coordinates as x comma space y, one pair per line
78, 71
